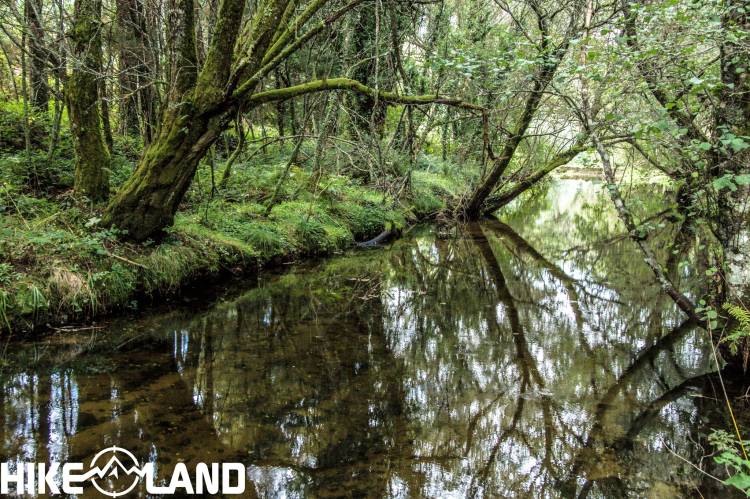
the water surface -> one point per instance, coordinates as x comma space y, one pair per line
533, 357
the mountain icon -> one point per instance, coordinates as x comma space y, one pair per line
114, 467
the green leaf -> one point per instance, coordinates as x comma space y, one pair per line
738, 144
740, 481
724, 182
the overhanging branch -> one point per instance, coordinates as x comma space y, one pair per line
497, 201
356, 86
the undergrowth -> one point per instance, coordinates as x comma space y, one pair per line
57, 265
731, 455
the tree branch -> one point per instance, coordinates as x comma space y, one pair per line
250, 84
355, 86
497, 201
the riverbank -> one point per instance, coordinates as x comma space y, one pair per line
58, 266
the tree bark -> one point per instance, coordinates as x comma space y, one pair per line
183, 66
280, 111
92, 156
39, 95
104, 109
132, 45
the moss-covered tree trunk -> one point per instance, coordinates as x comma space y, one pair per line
196, 114
92, 156
150, 198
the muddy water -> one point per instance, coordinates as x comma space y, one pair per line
529, 358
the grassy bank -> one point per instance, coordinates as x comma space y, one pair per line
58, 266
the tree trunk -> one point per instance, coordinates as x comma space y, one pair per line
149, 97
366, 116
495, 202
150, 198
60, 79
474, 207
39, 95
131, 50
92, 157
280, 112
550, 59
191, 123
183, 66
106, 123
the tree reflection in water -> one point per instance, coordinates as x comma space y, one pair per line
491, 364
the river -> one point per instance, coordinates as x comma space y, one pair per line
533, 357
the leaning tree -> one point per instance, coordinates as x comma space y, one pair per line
244, 50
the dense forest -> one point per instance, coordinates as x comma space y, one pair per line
149, 146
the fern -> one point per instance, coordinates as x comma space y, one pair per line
739, 336
740, 314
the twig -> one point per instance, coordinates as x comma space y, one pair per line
131, 262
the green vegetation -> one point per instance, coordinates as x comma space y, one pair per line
146, 145
738, 339
60, 265
732, 456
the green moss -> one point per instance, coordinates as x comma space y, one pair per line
57, 264
429, 193
232, 248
